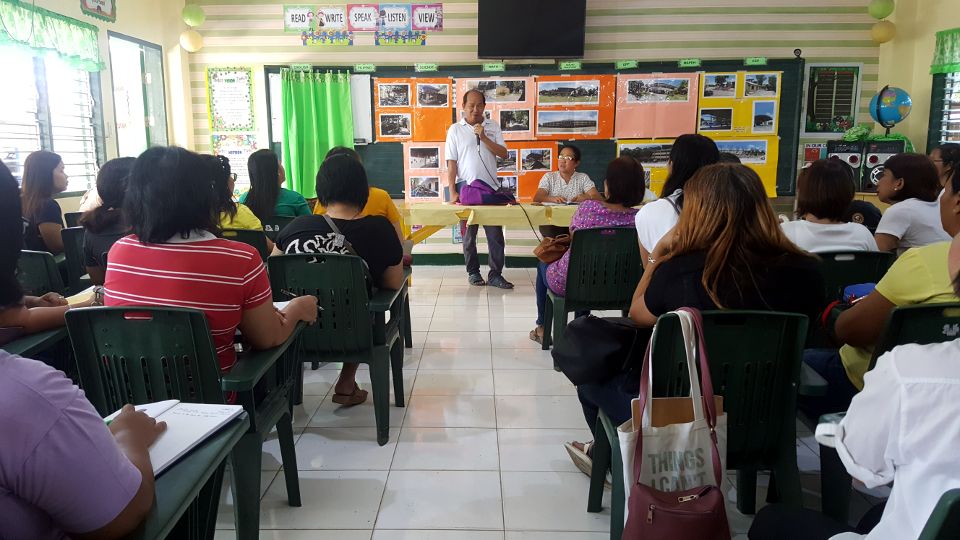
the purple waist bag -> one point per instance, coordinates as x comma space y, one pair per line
479, 192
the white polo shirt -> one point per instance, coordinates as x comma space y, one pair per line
462, 147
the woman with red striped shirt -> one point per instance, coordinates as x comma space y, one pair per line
173, 258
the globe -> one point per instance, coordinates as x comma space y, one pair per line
890, 106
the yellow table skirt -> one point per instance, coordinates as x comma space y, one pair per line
432, 217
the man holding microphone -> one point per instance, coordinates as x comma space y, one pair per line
472, 147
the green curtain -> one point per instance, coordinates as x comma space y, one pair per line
946, 54
317, 115
39, 30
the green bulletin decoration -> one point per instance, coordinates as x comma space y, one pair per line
105, 10
689, 62
627, 64
364, 68
570, 65
230, 99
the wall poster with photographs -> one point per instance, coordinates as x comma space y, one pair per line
761, 154
433, 108
510, 103
525, 165
653, 154
656, 105
739, 104
575, 106
424, 170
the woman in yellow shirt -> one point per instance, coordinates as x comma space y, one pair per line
232, 214
379, 202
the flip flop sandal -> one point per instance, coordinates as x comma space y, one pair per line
349, 400
476, 279
536, 337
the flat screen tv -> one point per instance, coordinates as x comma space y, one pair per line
531, 28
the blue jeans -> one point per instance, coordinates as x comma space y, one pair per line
607, 396
541, 288
840, 390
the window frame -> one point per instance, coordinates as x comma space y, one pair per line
938, 108
805, 98
45, 120
163, 83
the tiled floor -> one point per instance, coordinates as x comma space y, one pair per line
477, 454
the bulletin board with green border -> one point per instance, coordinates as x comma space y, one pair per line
384, 160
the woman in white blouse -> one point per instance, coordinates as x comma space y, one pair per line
824, 192
566, 185
911, 184
903, 428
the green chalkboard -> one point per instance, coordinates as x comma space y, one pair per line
384, 161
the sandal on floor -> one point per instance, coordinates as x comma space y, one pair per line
476, 279
536, 337
349, 400
582, 459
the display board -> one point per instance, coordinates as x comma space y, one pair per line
525, 165
231, 119
575, 106
413, 108
424, 168
385, 160
510, 103
656, 105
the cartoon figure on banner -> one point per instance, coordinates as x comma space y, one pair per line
325, 37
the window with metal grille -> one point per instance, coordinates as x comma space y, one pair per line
833, 93
49, 105
947, 123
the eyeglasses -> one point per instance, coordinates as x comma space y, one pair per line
233, 176
567, 158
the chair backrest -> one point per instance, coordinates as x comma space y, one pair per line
344, 324
754, 364
256, 239
274, 224
72, 218
144, 354
922, 324
604, 268
38, 274
73, 250
944, 521
842, 268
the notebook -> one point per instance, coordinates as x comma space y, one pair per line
188, 424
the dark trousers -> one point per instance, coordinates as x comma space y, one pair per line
541, 287
495, 245
609, 397
840, 390
781, 522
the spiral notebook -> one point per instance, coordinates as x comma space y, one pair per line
188, 424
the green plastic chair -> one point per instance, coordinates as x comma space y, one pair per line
38, 273
757, 378
351, 327
146, 354
843, 268
77, 278
72, 218
922, 324
257, 239
944, 521
603, 273
274, 224
606, 456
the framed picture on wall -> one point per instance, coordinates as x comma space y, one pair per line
831, 98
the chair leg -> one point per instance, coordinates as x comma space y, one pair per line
834, 485
618, 499
747, 490
396, 361
288, 455
559, 321
547, 327
786, 481
598, 470
380, 383
407, 325
246, 457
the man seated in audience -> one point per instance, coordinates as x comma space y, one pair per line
825, 190
343, 190
904, 428
726, 252
173, 259
54, 446
104, 225
20, 315
915, 278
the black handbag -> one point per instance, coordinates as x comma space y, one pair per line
594, 349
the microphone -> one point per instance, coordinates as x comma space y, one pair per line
478, 137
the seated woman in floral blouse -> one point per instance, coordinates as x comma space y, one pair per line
624, 189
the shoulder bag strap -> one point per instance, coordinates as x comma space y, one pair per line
349, 247
706, 387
